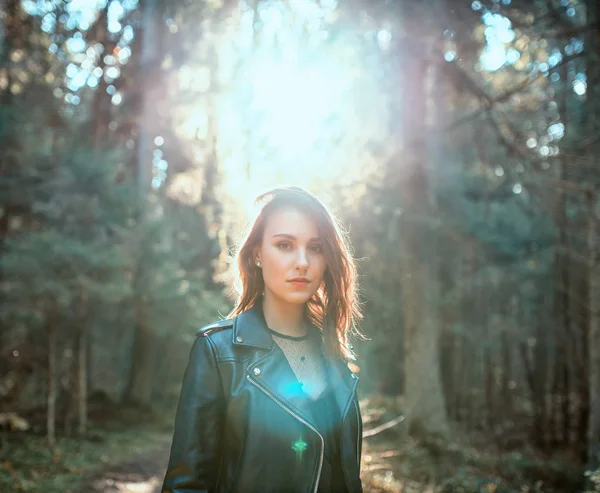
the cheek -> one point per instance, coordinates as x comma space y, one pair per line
322, 267
274, 262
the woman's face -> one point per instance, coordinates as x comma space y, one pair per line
291, 256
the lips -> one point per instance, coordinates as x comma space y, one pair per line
299, 281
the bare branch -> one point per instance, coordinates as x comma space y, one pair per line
383, 427
489, 101
561, 184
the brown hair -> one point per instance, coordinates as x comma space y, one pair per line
334, 308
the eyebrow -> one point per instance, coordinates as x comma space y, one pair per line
292, 237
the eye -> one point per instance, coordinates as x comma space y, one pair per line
316, 249
284, 245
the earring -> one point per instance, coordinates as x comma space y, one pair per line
258, 263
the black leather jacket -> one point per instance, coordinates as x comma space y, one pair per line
237, 427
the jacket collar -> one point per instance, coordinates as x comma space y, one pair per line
250, 329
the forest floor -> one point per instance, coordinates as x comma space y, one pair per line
141, 474
412, 468
131, 456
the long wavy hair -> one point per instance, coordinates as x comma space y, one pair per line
334, 308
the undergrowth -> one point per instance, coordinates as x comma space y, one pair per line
394, 462
30, 465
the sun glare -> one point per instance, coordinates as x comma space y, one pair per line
294, 107
293, 104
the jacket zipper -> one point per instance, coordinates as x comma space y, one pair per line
303, 421
359, 435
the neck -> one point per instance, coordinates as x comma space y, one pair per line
282, 317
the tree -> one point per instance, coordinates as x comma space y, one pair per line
592, 41
409, 172
72, 257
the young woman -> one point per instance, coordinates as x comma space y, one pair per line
268, 403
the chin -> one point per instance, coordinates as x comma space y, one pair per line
297, 298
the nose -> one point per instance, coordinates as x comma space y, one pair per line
302, 259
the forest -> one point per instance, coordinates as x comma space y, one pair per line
456, 140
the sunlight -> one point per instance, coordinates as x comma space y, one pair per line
287, 133
293, 103
123, 486
498, 34
295, 108
139, 487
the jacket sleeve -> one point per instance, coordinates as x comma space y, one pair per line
196, 448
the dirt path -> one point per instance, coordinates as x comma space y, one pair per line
142, 474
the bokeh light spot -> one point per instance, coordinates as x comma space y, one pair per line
450, 55
299, 446
580, 87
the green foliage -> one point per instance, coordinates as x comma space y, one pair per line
171, 287
71, 243
47, 266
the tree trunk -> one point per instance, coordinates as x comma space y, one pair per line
82, 363
147, 50
139, 387
141, 381
593, 442
462, 346
2, 9
8, 32
51, 399
507, 385
592, 47
541, 369
8, 36
488, 311
426, 412
489, 386
566, 399
559, 410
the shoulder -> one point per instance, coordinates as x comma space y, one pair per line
218, 337
214, 327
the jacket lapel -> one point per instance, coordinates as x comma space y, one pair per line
274, 376
272, 373
344, 384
